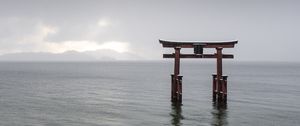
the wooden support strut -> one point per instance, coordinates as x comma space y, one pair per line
214, 88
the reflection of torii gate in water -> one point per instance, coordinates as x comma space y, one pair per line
219, 88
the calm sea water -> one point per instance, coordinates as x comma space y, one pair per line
138, 94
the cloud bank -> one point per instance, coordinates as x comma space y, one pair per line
37, 40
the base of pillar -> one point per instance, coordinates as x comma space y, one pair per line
219, 89
176, 88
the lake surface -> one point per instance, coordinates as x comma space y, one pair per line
138, 94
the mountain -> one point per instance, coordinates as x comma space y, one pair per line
98, 55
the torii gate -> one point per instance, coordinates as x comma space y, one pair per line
219, 86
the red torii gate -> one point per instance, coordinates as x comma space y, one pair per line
219, 87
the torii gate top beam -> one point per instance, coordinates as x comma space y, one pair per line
199, 54
213, 44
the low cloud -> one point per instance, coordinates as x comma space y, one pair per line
104, 22
82, 46
35, 40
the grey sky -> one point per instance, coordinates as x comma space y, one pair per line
266, 30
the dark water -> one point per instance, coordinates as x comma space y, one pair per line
138, 93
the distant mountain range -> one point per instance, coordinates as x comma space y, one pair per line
98, 55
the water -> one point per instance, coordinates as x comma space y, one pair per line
138, 93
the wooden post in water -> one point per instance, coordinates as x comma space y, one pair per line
224, 97
214, 87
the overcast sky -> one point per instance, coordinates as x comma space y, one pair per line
266, 30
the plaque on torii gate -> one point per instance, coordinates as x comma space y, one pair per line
219, 86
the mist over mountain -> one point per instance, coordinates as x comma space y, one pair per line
97, 55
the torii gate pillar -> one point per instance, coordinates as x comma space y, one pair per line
176, 88
219, 81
